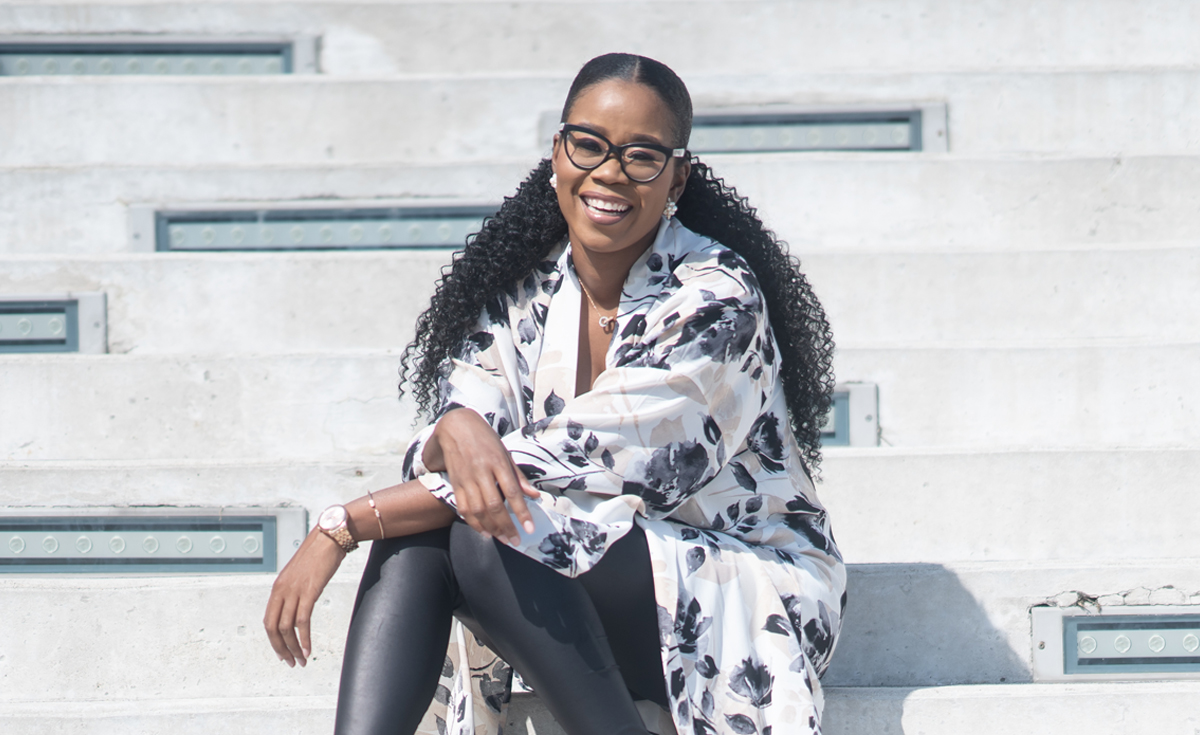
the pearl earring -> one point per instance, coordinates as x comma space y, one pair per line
670, 209
553, 181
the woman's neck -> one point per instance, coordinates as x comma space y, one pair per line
603, 274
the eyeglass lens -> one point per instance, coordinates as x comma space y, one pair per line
589, 151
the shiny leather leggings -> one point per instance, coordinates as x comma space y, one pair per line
588, 645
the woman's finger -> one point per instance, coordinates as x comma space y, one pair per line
468, 506
287, 629
515, 491
271, 623
503, 487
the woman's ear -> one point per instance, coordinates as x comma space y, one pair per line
683, 169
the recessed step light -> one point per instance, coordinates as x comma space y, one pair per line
155, 55
308, 227
122, 540
53, 323
1134, 642
854, 419
770, 129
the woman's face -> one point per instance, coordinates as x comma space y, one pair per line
606, 211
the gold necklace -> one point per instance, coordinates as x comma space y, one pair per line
607, 323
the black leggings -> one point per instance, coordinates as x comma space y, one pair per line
588, 645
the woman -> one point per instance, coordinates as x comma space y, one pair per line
628, 377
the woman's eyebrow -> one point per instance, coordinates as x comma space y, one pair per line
635, 138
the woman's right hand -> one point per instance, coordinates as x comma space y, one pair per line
482, 473
295, 593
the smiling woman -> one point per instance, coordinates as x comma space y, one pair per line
625, 373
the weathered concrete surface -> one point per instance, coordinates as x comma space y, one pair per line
1163, 708
341, 405
253, 303
870, 203
270, 482
887, 505
298, 715
311, 120
80, 639
77, 638
725, 36
925, 506
119, 407
969, 623
281, 302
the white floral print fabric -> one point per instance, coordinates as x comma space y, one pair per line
684, 433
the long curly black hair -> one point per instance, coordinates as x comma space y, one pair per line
529, 224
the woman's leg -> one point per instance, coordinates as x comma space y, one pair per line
547, 627
398, 635
621, 587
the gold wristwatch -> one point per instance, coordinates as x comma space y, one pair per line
332, 523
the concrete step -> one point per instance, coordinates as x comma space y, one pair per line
1032, 709
302, 715
190, 637
912, 506
1165, 708
311, 120
870, 203
887, 505
343, 405
753, 36
287, 302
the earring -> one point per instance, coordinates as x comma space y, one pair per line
553, 181
669, 210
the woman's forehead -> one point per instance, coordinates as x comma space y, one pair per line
622, 109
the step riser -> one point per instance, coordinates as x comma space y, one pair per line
1016, 506
887, 507
122, 407
906, 625
754, 37
314, 121
841, 203
299, 302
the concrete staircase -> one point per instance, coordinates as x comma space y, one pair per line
1026, 302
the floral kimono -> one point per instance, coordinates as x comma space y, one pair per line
686, 434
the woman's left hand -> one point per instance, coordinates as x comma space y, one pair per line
295, 593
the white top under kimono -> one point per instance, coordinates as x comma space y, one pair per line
684, 433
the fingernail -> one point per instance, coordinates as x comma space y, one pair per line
487, 536
291, 664
529, 527
307, 652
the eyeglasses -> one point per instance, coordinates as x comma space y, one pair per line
641, 162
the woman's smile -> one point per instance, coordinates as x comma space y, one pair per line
605, 210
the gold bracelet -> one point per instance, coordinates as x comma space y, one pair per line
378, 518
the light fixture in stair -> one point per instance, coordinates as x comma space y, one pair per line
854, 419
1134, 642
91, 55
308, 226
53, 323
111, 540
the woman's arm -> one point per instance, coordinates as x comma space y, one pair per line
482, 472
404, 509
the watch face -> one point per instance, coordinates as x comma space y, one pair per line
332, 517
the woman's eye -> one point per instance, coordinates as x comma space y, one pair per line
591, 145
642, 154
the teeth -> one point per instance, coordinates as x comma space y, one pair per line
607, 207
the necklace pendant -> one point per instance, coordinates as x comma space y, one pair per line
605, 321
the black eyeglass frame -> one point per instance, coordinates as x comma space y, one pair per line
619, 151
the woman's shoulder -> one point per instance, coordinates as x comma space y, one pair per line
699, 263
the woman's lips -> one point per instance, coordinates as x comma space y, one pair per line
605, 211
